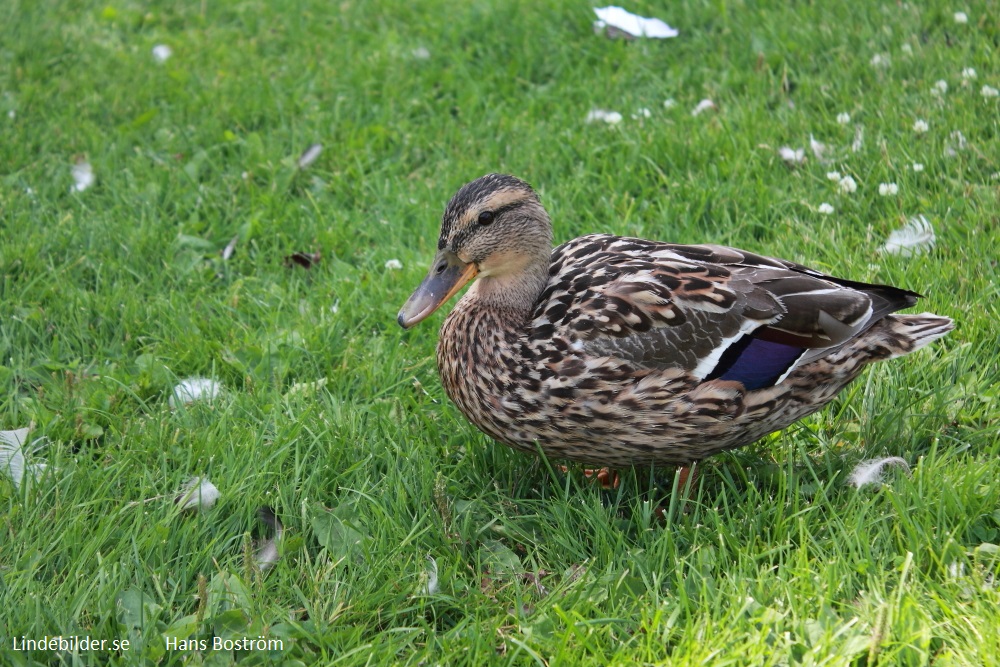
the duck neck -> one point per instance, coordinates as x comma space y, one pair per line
513, 294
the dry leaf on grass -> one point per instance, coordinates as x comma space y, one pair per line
306, 260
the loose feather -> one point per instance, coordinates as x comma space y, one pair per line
914, 238
870, 472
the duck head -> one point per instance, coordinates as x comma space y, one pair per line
493, 229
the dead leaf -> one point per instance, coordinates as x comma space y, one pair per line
304, 259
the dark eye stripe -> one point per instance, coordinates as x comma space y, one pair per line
497, 212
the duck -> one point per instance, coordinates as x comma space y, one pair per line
619, 351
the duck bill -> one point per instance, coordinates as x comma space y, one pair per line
448, 274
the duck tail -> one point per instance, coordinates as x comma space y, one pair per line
897, 335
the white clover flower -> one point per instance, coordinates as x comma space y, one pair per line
833, 175
393, 264
907, 49
825, 209
888, 189
939, 88
848, 185
989, 91
642, 113
420, 53
968, 74
162, 53
920, 126
843, 118
917, 166
609, 117
703, 106
669, 103
880, 60
307, 388
961, 17
12, 114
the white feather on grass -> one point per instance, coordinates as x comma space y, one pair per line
609, 117
83, 176
194, 389
310, 155
162, 53
12, 459
198, 493
632, 24
792, 156
230, 248
267, 554
870, 471
703, 106
432, 576
818, 149
913, 238
11, 456
956, 142
859, 139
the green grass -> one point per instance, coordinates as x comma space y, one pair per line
109, 296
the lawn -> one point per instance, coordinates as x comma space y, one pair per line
207, 243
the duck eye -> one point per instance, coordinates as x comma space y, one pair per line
486, 217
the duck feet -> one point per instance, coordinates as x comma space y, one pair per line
606, 477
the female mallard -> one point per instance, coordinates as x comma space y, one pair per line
621, 351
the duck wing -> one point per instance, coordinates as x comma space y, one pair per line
713, 311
